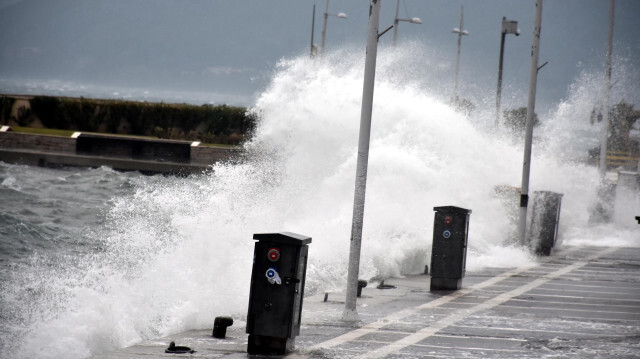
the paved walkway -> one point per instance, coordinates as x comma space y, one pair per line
582, 302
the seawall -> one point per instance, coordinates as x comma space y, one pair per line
122, 153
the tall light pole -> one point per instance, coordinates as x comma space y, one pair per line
526, 163
508, 27
340, 15
460, 32
313, 26
350, 314
396, 21
607, 98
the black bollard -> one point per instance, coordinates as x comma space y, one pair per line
276, 292
449, 247
543, 232
220, 325
385, 286
361, 284
176, 349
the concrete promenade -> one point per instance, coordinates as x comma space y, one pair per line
581, 302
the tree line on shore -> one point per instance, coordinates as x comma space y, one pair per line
219, 124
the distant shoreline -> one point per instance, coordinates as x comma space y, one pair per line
53, 131
226, 125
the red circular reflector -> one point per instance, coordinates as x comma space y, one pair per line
273, 254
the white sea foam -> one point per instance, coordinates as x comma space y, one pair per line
178, 252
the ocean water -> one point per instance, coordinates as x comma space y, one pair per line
93, 260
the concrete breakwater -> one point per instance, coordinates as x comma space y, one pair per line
123, 153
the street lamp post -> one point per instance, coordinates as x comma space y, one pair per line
607, 97
508, 27
313, 26
528, 136
340, 15
460, 32
396, 21
350, 313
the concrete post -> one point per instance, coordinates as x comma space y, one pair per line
350, 313
526, 164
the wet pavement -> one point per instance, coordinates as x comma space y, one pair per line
581, 302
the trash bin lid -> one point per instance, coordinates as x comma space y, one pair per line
283, 237
452, 209
549, 193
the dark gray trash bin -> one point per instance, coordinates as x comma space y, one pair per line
277, 289
545, 218
449, 249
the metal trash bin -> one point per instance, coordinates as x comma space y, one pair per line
449, 248
277, 289
543, 232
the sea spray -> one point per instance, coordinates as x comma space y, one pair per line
565, 138
174, 253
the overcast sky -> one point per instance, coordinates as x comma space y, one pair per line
229, 48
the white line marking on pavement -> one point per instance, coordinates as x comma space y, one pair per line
583, 297
567, 309
513, 329
472, 348
597, 305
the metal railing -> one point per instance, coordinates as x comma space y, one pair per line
617, 159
